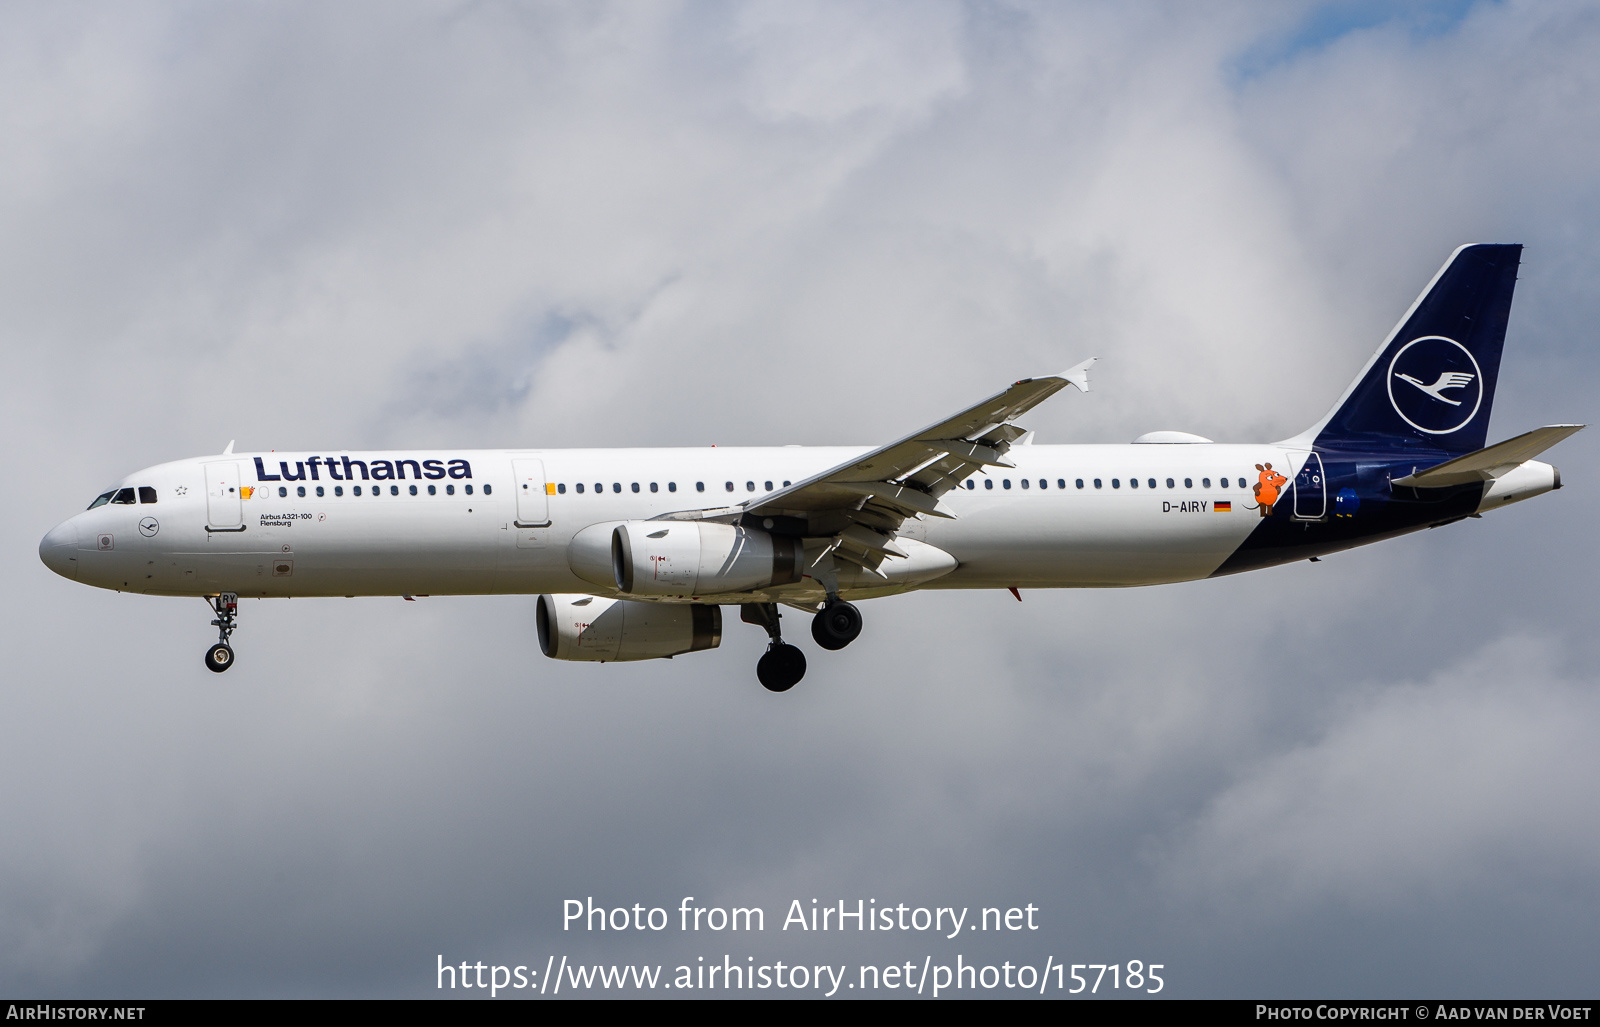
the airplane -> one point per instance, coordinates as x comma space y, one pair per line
633, 552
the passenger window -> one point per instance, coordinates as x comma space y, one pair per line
730, 486
283, 493
124, 496
356, 490
300, 490
338, 490
319, 492
749, 486
699, 486
1205, 482
1006, 483
467, 489
1061, 483
147, 494
654, 487
101, 500
785, 484
413, 490
394, 490
1024, 482
450, 490
1171, 484
1097, 483
1241, 483
1152, 483
1116, 483
636, 486
767, 486
561, 489
988, 483
488, 490
1079, 482
1133, 483
1223, 482
1188, 483
1044, 483
599, 487
616, 486
672, 486
971, 484
432, 491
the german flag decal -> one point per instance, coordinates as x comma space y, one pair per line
1223, 507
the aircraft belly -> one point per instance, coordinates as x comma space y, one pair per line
1090, 541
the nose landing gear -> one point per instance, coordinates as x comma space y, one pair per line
782, 666
220, 656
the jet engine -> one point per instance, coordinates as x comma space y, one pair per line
684, 558
596, 630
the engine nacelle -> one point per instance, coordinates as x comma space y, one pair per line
580, 627
684, 558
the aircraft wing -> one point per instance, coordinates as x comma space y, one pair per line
857, 507
1492, 461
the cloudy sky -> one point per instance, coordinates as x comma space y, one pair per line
505, 224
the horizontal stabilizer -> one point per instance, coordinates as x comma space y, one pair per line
1496, 460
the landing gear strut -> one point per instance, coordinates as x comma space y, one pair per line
220, 656
783, 665
837, 624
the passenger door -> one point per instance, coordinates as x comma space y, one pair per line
224, 510
533, 502
1310, 489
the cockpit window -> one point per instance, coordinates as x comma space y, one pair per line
102, 499
147, 494
123, 496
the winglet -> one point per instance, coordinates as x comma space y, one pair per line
1079, 375
229, 450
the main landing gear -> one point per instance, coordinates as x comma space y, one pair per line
782, 666
836, 625
220, 656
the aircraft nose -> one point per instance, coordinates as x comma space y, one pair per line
59, 549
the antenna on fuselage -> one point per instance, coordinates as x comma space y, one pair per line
229, 450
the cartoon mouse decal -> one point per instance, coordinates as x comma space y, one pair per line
1268, 488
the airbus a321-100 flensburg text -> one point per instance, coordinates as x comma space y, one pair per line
634, 552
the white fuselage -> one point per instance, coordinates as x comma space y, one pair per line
1031, 526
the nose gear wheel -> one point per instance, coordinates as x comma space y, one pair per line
219, 657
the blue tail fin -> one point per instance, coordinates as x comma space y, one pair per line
1430, 386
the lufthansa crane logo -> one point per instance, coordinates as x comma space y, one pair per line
1435, 385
